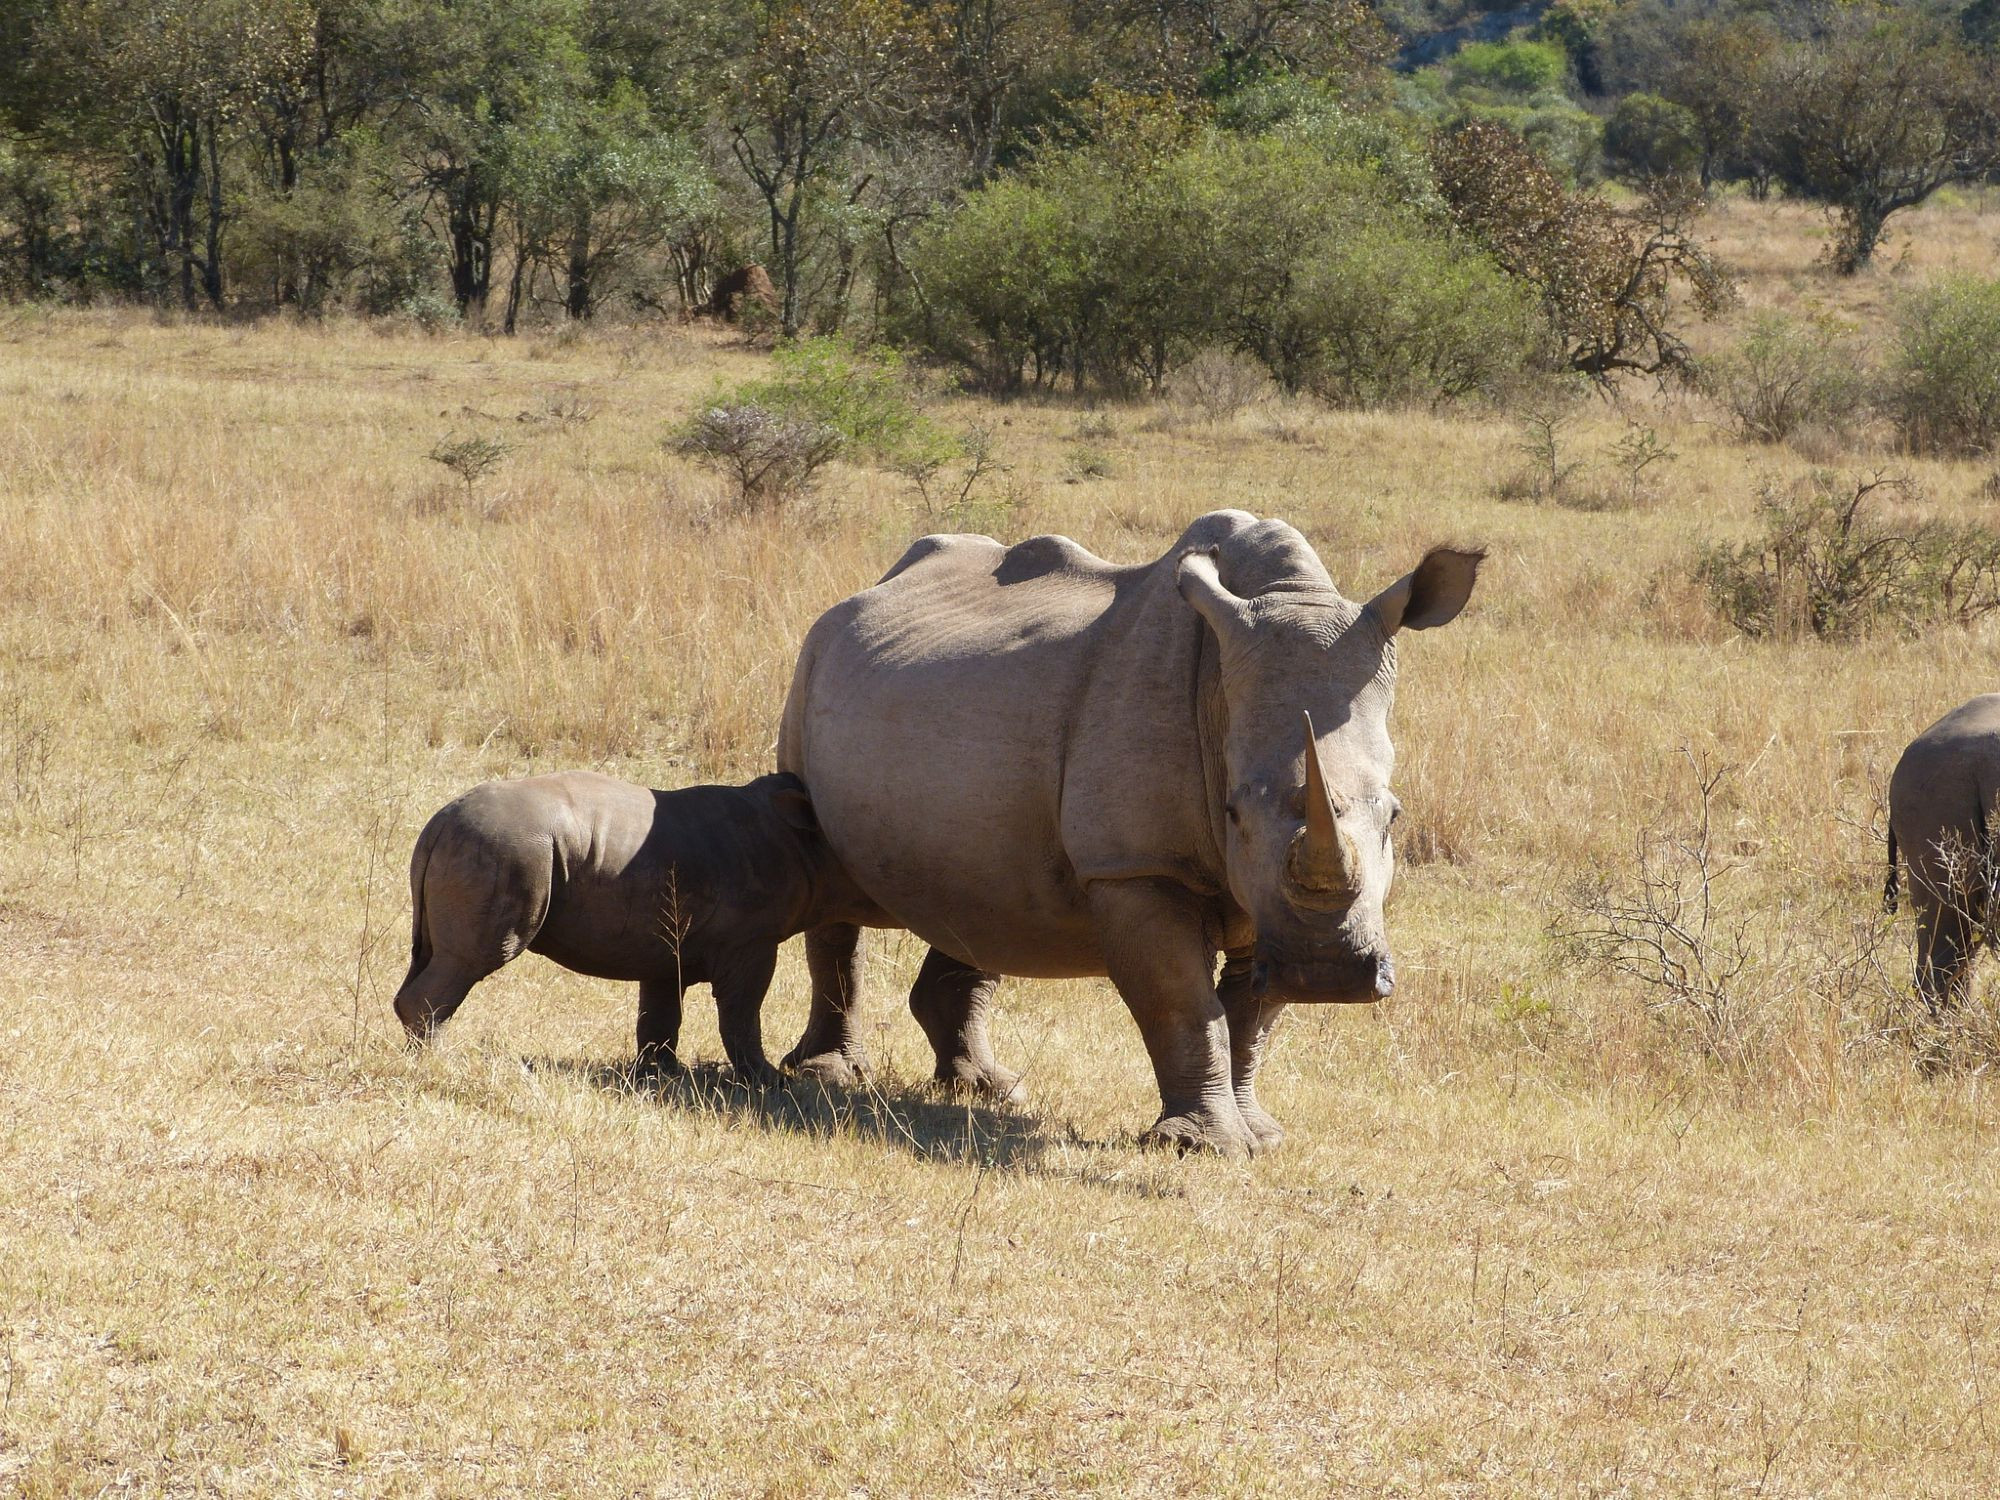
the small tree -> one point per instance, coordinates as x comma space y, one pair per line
1876, 120
1719, 72
596, 185
1946, 366
170, 78
812, 79
1607, 277
1648, 138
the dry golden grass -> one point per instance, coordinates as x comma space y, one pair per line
1524, 1239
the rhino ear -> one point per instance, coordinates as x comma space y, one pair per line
790, 802
1432, 594
1200, 584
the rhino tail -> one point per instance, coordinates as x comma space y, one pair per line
1889, 886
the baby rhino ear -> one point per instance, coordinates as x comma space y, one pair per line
790, 802
1432, 594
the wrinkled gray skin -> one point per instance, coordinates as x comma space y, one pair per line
1941, 798
1045, 765
698, 886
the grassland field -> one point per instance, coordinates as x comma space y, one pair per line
1530, 1234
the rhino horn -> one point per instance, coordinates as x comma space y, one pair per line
1322, 856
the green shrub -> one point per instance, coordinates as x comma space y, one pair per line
862, 394
996, 277
827, 398
1517, 67
1648, 137
1787, 374
1392, 311
428, 310
1317, 249
1945, 374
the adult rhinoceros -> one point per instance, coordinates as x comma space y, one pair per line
1045, 765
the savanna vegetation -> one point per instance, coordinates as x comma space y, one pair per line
1559, 1216
356, 445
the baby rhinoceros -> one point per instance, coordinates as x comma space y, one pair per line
620, 882
1941, 802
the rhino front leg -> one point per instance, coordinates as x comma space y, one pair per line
831, 1047
659, 1028
952, 1002
1157, 956
739, 987
1251, 1023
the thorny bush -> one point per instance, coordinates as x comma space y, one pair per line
1710, 955
773, 458
1831, 565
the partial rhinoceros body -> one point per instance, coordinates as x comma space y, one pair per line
1941, 806
1047, 765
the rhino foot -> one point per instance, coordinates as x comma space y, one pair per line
1202, 1130
1257, 1120
848, 1069
989, 1081
651, 1071
757, 1075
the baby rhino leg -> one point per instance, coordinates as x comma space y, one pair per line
739, 986
659, 1028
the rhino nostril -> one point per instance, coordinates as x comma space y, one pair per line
1385, 977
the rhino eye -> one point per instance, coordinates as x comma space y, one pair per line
1235, 815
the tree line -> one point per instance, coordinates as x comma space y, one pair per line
1038, 189
308, 153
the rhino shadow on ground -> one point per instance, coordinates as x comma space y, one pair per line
920, 1118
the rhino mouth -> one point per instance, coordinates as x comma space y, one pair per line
1322, 978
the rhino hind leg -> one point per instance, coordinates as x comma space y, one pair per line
831, 1047
1946, 934
953, 1003
1251, 1022
1948, 898
1159, 959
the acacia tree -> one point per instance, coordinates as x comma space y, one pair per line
480, 72
1217, 46
814, 77
991, 49
305, 127
1876, 120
